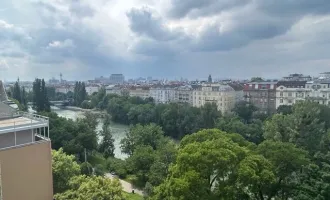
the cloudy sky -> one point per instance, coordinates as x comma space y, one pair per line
163, 38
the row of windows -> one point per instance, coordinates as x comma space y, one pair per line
290, 94
291, 102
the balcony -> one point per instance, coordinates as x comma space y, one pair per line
22, 129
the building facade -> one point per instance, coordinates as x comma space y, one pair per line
262, 95
221, 94
183, 94
162, 94
142, 92
91, 89
117, 79
25, 156
289, 92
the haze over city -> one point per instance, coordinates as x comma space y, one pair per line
163, 38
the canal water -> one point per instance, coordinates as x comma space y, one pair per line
118, 130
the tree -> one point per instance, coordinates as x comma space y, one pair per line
284, 109
244, 110
141, 161
17, 91
257, 79
205, 168
64, 168
148, 135
80, 93
94, 187
86, 169
107, 146
286, 159
209, 115
40, 98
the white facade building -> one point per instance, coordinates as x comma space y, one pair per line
183, 94
112, 89
222, 94
91, 89
162, 94
292, 92
143, 92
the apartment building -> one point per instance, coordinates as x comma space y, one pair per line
162, 94
183, 94
262, 95
139, 91
90, 89
25, 156
113, 89
289, 92
221, 94
316, 90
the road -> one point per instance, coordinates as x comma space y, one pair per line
127, 187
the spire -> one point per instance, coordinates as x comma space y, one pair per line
210, 79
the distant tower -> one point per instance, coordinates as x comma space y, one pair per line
61, 76
209, 79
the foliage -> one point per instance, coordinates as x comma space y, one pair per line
73, 136
93, 187
245, 110
86, 169
64, 167
257, 79
19, 95
149, 135
40, 97
284, 109
79, 94
118, 166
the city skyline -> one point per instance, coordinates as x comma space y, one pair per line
163, 39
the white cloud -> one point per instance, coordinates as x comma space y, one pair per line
61, 44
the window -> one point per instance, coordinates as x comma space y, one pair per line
290, 94
281, 94
281, 100
289, 101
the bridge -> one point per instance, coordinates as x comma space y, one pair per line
55, 103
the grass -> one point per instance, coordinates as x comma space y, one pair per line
130, 196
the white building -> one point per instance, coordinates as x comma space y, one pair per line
290, 92
163, 94
143, 92
91, 89
64, 89
183, 94
221, 94
112, 89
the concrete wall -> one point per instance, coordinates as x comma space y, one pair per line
27, 172
22, 137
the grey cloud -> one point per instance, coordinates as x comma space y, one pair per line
81, 10
294, 7
196, 8
153, 48
13, 54
144, 23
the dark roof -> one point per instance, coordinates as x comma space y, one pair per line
291, 83
236, 86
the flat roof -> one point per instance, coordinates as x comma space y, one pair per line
21, 123
17, 121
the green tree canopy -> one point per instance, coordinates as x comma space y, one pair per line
64, 168
93, 187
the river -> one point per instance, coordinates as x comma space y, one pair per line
118, 130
